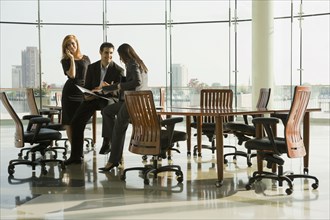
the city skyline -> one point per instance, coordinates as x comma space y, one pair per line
205, 49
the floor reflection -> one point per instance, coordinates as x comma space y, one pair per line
82, 192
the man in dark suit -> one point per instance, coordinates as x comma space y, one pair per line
104, 71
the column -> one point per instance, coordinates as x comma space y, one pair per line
262, 48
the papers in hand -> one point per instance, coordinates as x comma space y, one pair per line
87, 91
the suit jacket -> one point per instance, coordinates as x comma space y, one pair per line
114, 74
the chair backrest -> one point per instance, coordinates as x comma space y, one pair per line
19, 133
216, 98
146, 128
32, 102
264, 96
293, 138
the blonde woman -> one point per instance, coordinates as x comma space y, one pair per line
74, 65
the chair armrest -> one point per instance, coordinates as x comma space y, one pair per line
28, 117
39, 121
171, 121
268, 124
282, 116
169, 124
49, 112
265, 120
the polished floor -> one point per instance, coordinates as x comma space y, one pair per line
81, 192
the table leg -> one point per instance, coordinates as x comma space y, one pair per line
94, 127
199, 135
188, 130
219, 149
306, 137
259, 134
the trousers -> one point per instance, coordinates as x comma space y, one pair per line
115, 119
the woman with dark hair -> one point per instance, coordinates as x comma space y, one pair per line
74, 65
114, 128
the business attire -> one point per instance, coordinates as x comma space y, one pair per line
115, 128
71, 95
94, 77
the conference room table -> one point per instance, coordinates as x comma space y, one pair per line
188, 112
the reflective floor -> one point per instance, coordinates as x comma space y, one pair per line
81, 192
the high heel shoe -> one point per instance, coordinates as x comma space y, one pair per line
109, 168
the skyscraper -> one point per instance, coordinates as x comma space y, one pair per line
179, 76
30, 68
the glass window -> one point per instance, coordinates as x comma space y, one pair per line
123, 12
72, 11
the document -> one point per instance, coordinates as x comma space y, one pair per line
87, 91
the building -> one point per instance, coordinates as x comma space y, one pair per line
30, 68
179, 75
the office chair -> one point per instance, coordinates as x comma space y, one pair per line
35, 134
213, 98
50, 113
150, 135
245, 131
177, 135
271, 147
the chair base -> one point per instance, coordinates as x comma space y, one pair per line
210, 147
242, 154
34, 161
148, 169
281, 177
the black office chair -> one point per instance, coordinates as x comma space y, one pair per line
150, 135
245, 131
271, 147
51, 114
178, 136
213, 98
35, 134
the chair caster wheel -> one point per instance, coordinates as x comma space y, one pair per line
249, 164
248, 187
180, 179
11, 169
146, 181
315, 185
288, 191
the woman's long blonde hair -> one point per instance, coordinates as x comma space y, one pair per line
65, 43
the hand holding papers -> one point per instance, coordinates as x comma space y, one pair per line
92, 94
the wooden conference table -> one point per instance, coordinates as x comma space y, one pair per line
219, 114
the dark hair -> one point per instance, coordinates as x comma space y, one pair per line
106, 45
126, 53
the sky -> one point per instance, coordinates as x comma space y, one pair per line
202, 48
